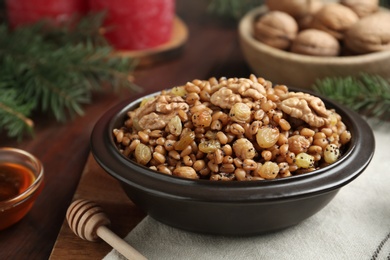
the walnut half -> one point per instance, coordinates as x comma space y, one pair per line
306, 107
156, 113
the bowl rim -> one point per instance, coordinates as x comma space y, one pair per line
329, 178
245, 29
33, 188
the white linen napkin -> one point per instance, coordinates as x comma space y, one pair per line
354, 225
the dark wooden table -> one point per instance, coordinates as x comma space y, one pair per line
212, 49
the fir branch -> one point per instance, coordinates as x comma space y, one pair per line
55, 70
367, 94
13, 114
76, 30
97, 68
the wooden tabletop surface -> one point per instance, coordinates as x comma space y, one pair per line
212, 49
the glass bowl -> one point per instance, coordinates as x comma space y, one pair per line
21, 181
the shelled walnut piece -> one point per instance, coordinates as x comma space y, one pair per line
336, 19
267, 132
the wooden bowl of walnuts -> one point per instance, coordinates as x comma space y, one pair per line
297, 42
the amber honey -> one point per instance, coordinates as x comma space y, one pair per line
14, 180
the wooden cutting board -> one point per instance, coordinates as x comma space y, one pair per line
96, 185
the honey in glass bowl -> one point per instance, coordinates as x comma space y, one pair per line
21, 181
14, 180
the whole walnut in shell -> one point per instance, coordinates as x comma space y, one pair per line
304, 22
295, 8
362, 7
335, 19
276, 29
315, 43
370, 34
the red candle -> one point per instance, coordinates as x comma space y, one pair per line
22, 12
136, 24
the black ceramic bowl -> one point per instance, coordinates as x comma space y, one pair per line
231, 208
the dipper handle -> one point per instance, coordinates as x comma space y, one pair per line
88, 221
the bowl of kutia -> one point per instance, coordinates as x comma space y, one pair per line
233, 207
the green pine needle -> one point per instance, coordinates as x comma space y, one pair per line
55, 70
366, 94
13, 114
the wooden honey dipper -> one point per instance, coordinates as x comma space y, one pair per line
89, 222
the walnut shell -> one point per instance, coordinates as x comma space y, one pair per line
304, 22
315, 43
295, 8
335, 19
362, 8
276, 29
370, 34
